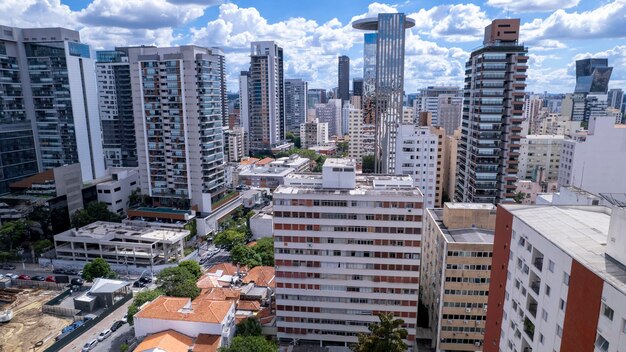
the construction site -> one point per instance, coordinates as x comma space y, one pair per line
29, 329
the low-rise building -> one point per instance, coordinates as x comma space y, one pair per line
265, 177
102, 294
559, 283
121, 244
457, 246
115, 189
262, 223
294, 161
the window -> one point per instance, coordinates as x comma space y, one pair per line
566, 279
607, 311
602, 344
544, 315
561, 304
624, 326
541, 338
550, 266
559, 331
548, 290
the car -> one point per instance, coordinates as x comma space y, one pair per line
145, 279
125, 319
59, 271
8, 267
71, 272
23, 277
38, 278
77, 282
103, 335
12, 276
72, 327
90, 345
139, 284
116, 325
50, 279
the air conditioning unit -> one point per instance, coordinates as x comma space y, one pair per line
467, 310
477, 322
477, 343
464, 321
449, 320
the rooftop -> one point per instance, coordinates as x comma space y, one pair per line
463, 235
167, 341
183, 309
101, 285
261, 276
365, 185
102, 230
267, 171
580, 231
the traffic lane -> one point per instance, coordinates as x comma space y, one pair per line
122, 335
95, 330
221, 257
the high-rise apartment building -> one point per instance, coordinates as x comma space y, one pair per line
234, 144
315, 96
361, 135
533, 113
244, 106
557, 283
331, 114
295, 104
266, 96
495, 79
616, 98
457, 245
384, 50
347, 248
419, 153
444, 103
343, 78
50, 82
450, 150
539, 157
178, 124
313, 133
115, 103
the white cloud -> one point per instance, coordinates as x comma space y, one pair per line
606, 21
35, 13
533, 5
548, 44
452, 23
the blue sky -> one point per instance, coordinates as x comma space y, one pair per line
314, 33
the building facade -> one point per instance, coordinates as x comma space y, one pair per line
347, 249
266, 96
495, 80
235, 147
539, 157
115, 191
330, 113
295, 104
313, 134
178, 124
115, 103
561, 284
444, 103
343, 78
457, 245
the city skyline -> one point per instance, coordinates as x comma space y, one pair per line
557, 33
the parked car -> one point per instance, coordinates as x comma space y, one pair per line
71, 272
90, 345
8, 267
103, 335
23, 277
77, 282
11, 275
125, 319
116, 325
145, 279
51, 279
72, 327
139, 284
59, 271
38, 278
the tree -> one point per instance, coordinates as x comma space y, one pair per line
519, 197
187, 288
41, 246
296, 140
245, 255
368, 164
249, 327
250, 344
94, 211
342, 149
385, 336
136, 199
192, 266
265, 249
140, 299
13, 232
98, 268
230, 238
178, 281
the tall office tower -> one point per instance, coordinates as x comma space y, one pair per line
592, 85
347, 249
244, 106
615, 99
266, 96
295, 104
384, 50
559, 283
315, 96
313, 133
343, 79
59, 96
357, 87
331, 114
18, 155
178, 124
115, 103
539, 157
495, 79
457, 244
419, 153
444, 103
596, 164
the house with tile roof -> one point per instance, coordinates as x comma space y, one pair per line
173, 341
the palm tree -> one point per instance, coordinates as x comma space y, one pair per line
386, 336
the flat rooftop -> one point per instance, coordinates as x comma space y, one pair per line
267, 171
365, 185
163, 210
103, 230
580, 231
465, 235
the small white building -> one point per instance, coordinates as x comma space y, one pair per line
262, 223
115, 191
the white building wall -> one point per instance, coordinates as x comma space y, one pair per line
540, 154
613, 330
116, 193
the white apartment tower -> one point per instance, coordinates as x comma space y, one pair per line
313, 133
178, 123
330, 113
444, 103
539, 157
347, 248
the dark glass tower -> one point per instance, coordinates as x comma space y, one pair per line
343, 84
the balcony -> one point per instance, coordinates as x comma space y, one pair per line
538, 259
529, 328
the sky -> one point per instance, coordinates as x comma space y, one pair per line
314, 33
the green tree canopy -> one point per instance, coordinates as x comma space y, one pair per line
192, 266
296, 140
249, 327
265, 249
368, 164
98, 268
250, 344
41, 245
187, 288
94, 211
140, 299
385, 336
178, 281
230, 238
245, 255
12, 233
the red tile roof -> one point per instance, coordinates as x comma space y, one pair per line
207, 343
264, 161
261, 276
249, 305
226, 268
183, 309
167, 341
